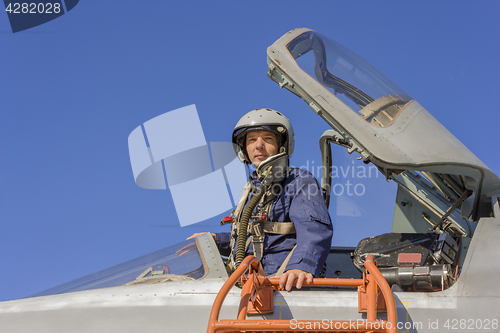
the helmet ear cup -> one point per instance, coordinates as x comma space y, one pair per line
242, 157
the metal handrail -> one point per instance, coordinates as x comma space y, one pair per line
256, 279
386, 291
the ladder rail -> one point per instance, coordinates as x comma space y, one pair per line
386, 291
221, 296
256, 281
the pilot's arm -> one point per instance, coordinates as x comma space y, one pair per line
313, 227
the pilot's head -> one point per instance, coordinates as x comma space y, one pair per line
262, 133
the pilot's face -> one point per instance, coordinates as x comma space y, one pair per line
260, 145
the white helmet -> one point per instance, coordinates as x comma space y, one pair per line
264, 120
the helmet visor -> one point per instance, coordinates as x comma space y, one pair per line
240, 133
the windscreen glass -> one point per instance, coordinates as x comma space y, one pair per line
179, 262
349, 77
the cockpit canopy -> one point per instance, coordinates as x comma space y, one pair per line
371, 115
349, 77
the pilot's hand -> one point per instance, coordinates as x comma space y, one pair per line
288, 278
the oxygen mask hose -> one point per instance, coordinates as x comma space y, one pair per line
245, 217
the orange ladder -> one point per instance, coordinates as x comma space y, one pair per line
257, 298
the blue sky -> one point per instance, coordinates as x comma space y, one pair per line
73, 89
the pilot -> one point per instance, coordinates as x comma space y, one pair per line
290, 228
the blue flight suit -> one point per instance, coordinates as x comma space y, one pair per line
302, 202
